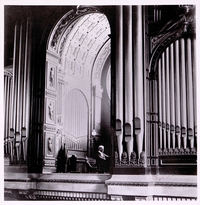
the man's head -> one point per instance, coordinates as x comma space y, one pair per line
101, 148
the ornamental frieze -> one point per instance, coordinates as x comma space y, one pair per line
176, 151
101, 60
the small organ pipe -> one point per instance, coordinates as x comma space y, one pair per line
5, 103
6, 100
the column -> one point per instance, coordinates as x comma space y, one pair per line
138, 77
128, 72
119, 78
97, 107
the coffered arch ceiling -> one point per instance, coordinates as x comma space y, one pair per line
84, 42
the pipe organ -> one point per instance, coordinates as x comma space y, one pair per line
152, 95
17, 96
176, 100
76, 121
171, 88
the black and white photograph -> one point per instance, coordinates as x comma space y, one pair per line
100, 101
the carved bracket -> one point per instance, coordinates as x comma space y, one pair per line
171, 32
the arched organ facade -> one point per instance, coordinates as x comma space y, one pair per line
152, 105
176, 101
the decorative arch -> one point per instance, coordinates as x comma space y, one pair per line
77, 49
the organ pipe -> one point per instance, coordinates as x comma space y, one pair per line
6, 100
18, 114
190, 112
9, 105
128, 78
28, 74
138, 78
160, 102
183, 93
177, 95
25, 78
14, 79
26, 97
163, 102
172, 98
119, 80
21, 86
10, 109
167, 98
194, 83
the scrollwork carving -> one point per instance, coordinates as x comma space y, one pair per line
67, 21
142, 159
183, 23
124, 158
116, 158
64, 22
133, 159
